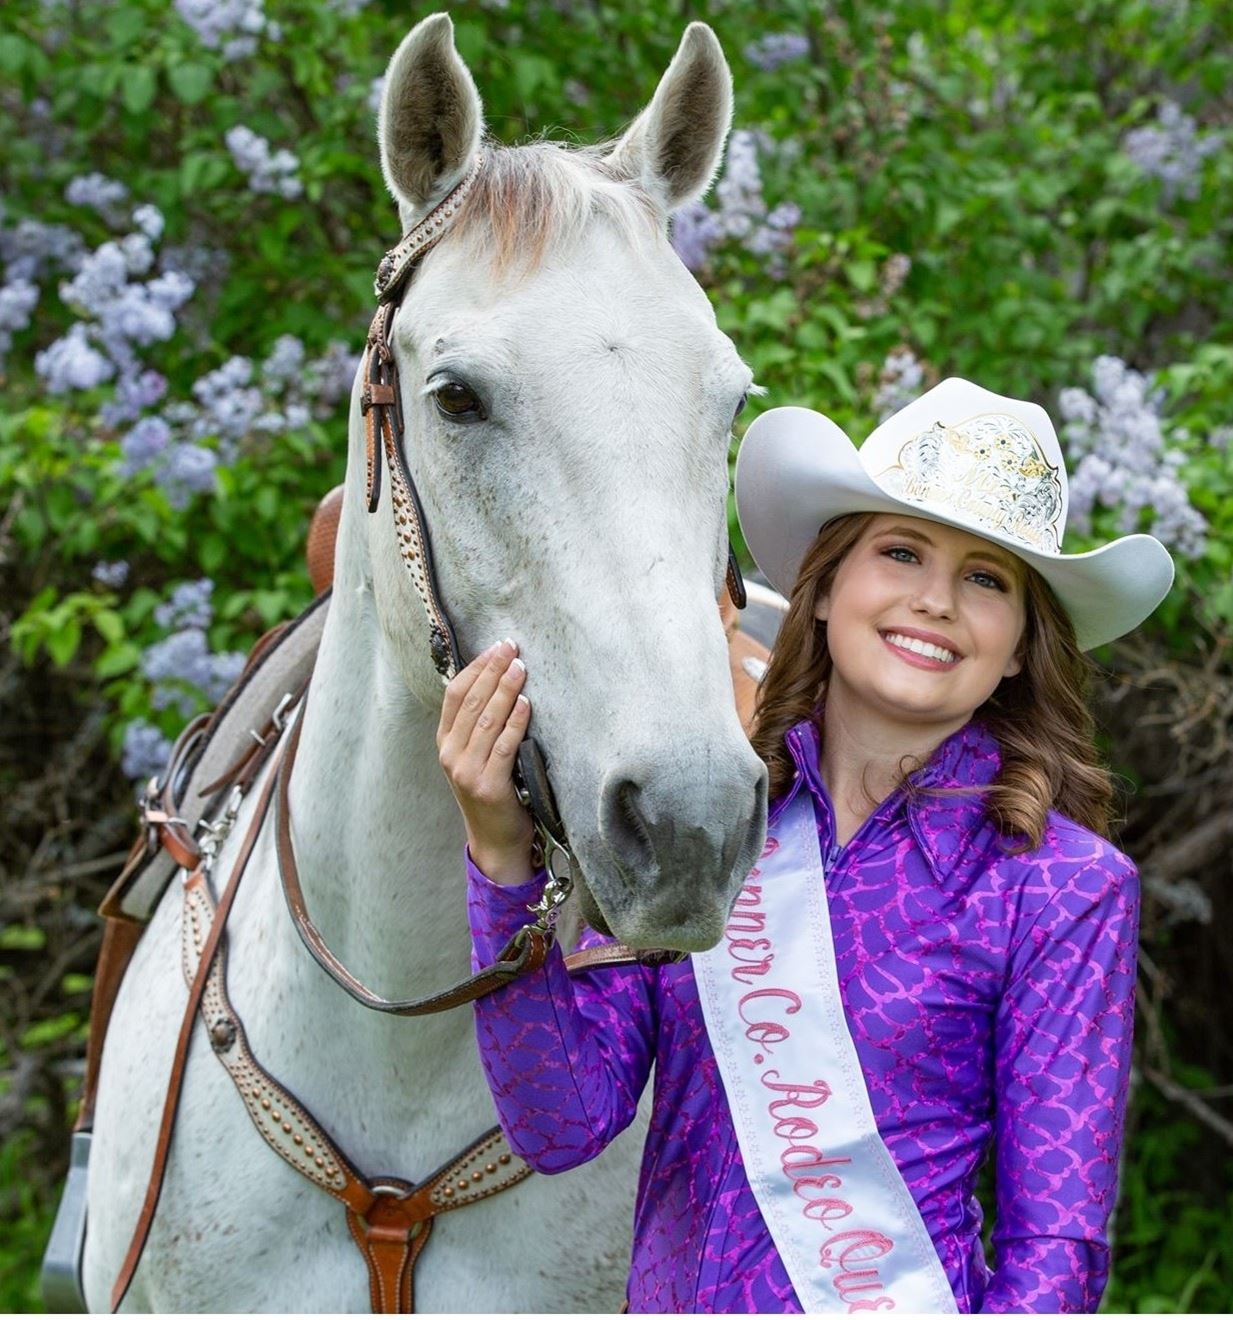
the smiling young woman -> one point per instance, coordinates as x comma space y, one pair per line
935, 956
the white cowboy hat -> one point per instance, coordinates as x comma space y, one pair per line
958, 455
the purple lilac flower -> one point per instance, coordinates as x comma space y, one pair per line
189, 606
149, 220
901, 380
695, 230
18, 300
135, 392
111, 573
739, 191
1171, 151
1116, 443
31, 246
268, 172
741, 212
187, 470
229, 403
73, 363
285, 363
145, 751
774, 234
104, 195
144, 444
182, 665
330, 377
229, 26
225, 668
777, 49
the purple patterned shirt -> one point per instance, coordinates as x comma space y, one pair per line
991, 1002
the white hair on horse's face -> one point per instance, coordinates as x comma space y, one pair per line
531, 200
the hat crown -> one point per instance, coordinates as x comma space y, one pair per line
962, 451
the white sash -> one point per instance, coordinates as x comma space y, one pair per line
841, 1216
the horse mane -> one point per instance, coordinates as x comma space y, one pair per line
535, 198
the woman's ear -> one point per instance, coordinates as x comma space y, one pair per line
822, 607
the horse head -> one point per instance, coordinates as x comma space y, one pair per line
568, 401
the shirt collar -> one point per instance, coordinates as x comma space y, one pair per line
968, 758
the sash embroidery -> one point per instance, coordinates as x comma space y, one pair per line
844, 1222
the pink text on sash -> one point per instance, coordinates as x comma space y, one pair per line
815, 1176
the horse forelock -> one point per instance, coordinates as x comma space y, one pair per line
531, 200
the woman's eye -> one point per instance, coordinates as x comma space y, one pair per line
900, 550
993, 581
456, 401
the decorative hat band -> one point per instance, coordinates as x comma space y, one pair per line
992, 469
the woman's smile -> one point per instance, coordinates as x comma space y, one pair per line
921, 652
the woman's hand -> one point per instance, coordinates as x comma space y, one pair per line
483, 720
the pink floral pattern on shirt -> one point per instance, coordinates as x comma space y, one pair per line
990, 999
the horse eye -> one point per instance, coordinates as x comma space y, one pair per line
740, 407
456, 401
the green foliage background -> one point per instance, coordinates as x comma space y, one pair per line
980, 139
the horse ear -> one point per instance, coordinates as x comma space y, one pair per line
431, 118
674, 146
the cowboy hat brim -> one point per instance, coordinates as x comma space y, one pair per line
796, 470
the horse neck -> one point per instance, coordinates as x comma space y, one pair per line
377, 834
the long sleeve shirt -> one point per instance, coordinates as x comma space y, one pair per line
990, 999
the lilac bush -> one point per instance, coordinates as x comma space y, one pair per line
229, 26
181, 667
145, 751
776, 49
267, 171
1117, 443
1172, 151
901, 379
741, 214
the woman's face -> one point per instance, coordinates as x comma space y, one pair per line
923, 621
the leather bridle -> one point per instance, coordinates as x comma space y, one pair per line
385, 438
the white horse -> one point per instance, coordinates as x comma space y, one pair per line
583, 515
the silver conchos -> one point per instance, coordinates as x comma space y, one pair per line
990, 468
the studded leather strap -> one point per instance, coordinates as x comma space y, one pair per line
389, 1218
175, 1083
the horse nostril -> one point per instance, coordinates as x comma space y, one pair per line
624, 826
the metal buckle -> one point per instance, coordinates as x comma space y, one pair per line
279, 718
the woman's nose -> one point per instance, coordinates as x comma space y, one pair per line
936, 596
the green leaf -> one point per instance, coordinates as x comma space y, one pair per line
23, 937
191, 82
140, 85
13, 50
110, 625
125, 25
51, 1030
63, 643
119, 658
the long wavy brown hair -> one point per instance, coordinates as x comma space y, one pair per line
1040, 716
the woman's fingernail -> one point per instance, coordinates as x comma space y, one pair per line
519, 663
522, 700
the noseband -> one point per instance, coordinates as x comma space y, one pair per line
385, 436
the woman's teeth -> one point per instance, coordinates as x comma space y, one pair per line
921, 648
